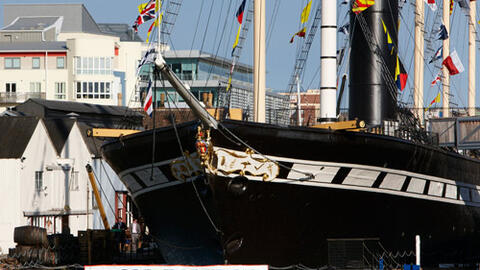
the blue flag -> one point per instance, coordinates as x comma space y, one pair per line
443, 34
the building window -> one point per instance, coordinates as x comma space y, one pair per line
35, 62
60, 62
93, 65
93, 90
79, 90
35, 87
38, 180
12, 63
11, 87
74, 181
78, 65
60, 92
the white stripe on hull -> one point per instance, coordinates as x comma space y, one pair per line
363, 178
144, 174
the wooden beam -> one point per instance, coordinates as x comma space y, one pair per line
344, 125
110, 132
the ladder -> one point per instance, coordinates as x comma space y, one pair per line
170, 15
302, 56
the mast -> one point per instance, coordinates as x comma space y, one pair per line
419, 63
471, 59
328, 76
446, 53
259, 61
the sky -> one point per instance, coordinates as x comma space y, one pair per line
210, 25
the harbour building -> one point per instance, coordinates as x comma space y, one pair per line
207, 75
59, 52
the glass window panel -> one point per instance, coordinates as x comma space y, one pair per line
107, 87
61, 62
90, 87
102, 87
85, 64
96, 65
79, 87
36, 62
102, 65
90, 65
96, 87
16, 62
107, 65
8, 62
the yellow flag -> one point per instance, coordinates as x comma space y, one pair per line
435, 100
236, 38
306, 12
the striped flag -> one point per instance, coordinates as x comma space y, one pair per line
435, 100
437, 55
361, 5
389, 38
239, 16
148, 102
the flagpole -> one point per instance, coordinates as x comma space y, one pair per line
446, 53
471, 59
419, 62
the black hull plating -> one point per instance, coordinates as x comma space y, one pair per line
286, 224
170, 208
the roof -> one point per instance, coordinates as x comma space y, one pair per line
69, 106
121, 30
34, 46
16, 134
203, 55
93, 143
32, 23
58, 131
77, 19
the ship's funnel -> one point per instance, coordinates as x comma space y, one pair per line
371, 97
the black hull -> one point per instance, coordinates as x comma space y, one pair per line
170, 208
380, 187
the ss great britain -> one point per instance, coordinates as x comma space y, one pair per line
282, 192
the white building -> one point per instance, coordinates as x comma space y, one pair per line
42, 168
58, 52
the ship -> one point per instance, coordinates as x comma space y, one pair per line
278, 195
284, 194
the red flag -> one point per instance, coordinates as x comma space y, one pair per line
300, 33
453, 64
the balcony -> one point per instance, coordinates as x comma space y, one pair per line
20, 97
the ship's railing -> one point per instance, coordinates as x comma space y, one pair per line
364, 253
